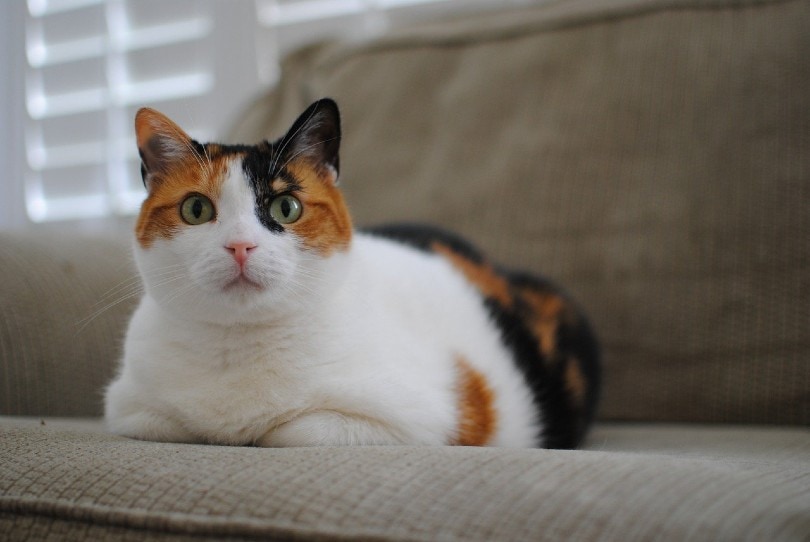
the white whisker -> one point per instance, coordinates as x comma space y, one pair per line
178, 292
128, 289
135, 281
305, 149
84, 322
182, 136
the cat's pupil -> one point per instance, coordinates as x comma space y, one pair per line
285, 207
197, 208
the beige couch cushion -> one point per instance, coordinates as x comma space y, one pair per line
68, 480
653, 157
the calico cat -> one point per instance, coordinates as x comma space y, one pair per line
269, 320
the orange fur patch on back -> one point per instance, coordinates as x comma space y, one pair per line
477, 416
546, 311
160, 212
575, 383
325, 225
482, 275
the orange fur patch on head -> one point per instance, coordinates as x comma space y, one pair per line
174, 166
477, 415
160, 212
325, 225
482, 275
546, 311
575, 382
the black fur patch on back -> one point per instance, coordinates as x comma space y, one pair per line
564, 423
423, 236
574, 339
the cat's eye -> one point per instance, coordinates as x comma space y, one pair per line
197, 209
286, 209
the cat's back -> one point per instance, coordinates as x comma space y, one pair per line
456, 291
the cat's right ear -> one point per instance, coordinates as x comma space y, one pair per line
162, 144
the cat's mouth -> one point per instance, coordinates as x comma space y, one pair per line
242, 283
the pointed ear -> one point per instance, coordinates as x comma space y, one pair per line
161, 143
315, 137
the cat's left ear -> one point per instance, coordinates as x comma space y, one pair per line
315, 137
162, 144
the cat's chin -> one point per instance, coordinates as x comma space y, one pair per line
243, 293
238, 302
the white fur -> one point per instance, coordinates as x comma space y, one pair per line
356, 348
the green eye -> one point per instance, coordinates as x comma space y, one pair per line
285, 209
197, 209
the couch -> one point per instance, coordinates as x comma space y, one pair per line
652, 156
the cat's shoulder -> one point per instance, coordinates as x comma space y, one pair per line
491, 281
426, 238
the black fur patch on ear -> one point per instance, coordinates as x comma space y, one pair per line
315, 136
144, 171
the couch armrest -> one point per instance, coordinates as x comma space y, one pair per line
65, 301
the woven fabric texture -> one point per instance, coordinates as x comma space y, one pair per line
652, 157
71, 481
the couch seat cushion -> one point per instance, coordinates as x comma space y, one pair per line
70, 480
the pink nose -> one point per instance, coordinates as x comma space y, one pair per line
240, 251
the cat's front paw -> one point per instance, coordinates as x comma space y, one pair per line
329, 428
127, 416
145, 425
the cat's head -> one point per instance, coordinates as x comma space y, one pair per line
230, 232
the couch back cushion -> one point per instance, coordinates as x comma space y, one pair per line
652, 157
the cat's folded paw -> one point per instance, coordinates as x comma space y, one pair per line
144, 424
329, 428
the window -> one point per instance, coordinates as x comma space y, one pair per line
90, 64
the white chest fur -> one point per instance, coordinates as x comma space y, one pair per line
378, 350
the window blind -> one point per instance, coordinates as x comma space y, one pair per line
92, 63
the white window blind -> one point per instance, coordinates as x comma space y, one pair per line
92, 63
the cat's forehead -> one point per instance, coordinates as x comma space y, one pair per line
261, 165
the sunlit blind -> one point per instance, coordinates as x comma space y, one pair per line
93, 63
